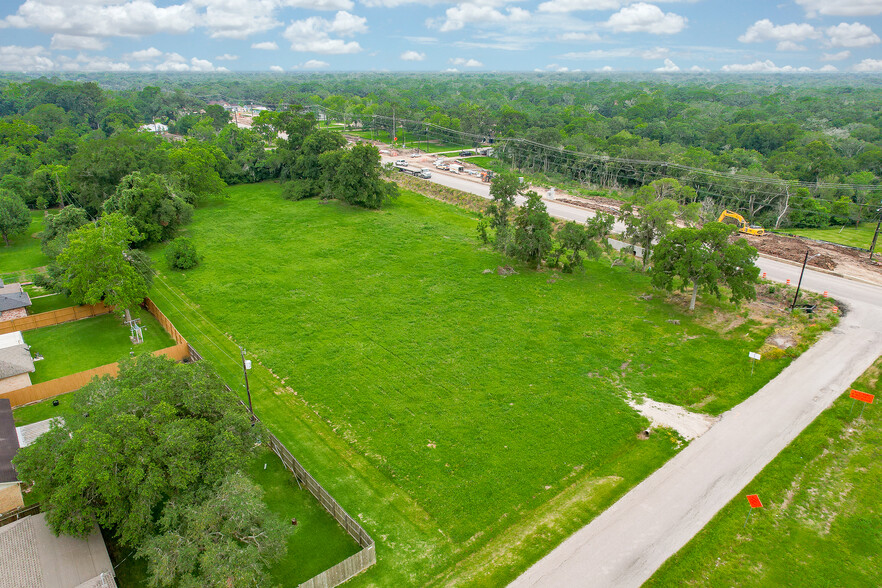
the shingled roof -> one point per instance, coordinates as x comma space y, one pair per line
8, 442
12, 296
15, 360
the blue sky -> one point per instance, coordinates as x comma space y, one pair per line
434, 35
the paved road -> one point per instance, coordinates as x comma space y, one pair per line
626, 544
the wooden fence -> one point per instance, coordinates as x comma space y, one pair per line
65, 384
37, 392
54, 317
352, 565
19, 513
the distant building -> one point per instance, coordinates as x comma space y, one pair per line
14, 302
16, 363
154, 128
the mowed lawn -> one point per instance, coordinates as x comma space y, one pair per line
23, 251
821, 524
481, 396
81, 345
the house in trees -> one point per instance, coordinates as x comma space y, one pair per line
14, 302
16, 363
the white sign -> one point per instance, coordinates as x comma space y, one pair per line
753, 355
247, 364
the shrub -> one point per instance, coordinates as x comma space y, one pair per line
181, 254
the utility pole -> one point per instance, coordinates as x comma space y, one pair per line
875, 237
804, 262
247, 389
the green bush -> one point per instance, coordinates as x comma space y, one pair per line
181, 254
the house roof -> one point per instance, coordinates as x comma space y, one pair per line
15, 360
8, 442
12, 296
31, 555
27, 434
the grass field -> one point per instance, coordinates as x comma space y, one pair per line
81, 345
479, 400
412, 140
860, 237
821, 524
45, 302
23, 252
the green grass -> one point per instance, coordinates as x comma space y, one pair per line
315, 544
85, 344
854, 237
47, 302
412, 140
821, 524
477, 399
23, 252
40, 411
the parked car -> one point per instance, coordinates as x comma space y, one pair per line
401, 163
464, 153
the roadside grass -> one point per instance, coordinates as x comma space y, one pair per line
853, 237
446, 405
76, 346
821, 524
23, 252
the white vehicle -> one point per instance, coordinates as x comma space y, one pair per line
425, 173
401, 163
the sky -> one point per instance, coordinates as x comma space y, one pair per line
436, 35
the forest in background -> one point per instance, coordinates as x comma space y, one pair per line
801, 151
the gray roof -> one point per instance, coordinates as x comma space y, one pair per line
31, 556
27, 434
15, 360
8, 443
13, 300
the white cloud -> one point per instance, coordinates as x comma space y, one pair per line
841, 7
313, 34
829, 69
465, 62
578, 5
656, 53
555, 68
835, 56
766, 66
320, 5
173, 62
412, 56
16, 58
227, 57
277, 68
790, 46
110, 18
315, 64
450, 70
668, 67
646, 18
868, 65
461, 15
231, 19
423, 40
590, 37
606, 68
787, 36
265, 45
851, 35
62, 42
697, 69
201, 65
145, 54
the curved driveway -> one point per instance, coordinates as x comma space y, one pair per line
626, 544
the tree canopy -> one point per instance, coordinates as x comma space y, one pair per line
14, 215
153, 206
153, 456
706, 259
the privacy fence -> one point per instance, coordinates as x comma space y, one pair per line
37, 392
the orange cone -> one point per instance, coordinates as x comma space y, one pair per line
825, 293
764, 275
788, 281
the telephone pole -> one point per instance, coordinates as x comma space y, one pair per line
247, 389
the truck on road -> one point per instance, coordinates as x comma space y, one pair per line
419, 173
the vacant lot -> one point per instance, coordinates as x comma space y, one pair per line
81, 345
482, 396
821, 524
860, 237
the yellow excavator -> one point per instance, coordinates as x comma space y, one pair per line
743, 227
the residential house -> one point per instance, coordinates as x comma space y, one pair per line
10, 487
16, 363
14, 301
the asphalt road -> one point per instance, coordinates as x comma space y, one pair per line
626, 544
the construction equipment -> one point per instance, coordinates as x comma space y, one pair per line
486, 176
743, 227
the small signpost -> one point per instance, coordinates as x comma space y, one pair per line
754, 501
856, 395
754, 357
